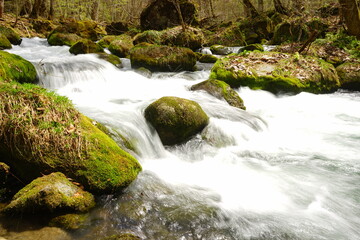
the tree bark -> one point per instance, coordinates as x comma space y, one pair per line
39, 8
178, 10
279, 7
51, 10
95, 10
1, 8
350, 12
250, 9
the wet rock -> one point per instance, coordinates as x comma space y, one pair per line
277, 72
144, 72
69, 221
121, 46
207, 58
111, 58
50, 193
85, 46
4, 42
220, 50
220, 90
61, 39
349, 74
124, 236
162, 14
15, 68
11, 35
45, 233
176, 119
192, 38
252, 47
163, 58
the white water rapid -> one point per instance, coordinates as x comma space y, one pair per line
286, 168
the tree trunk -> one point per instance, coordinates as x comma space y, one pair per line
350, 12
212, 8
260, 5
178, 9
51, 11
1, 8
39, 8
250, 9
279, 7
95, 10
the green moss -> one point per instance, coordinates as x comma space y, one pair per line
221, 90
230, 36
290, 32
121, 46
124, 236
85, 46
11, 35
111, 58
349, 74
207, 58
276, 72
69, 221
60, 39
50, 193
15, 68
83, 152
4, 42
176, 119
150, 36
253, 47
105, 41
192, 38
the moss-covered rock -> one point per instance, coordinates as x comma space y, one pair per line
162, 14
192, 38
61, 39
85, 46
256, 29
70, 221
124, 236
121, 46
163, 58
149, 36
4, 178
4, 42
15, 68
252, 47
349, 74
45, 233
50, 193
176, 119
229, 36
33, 121
277, 72
105, 41
207, 58
11, 35
111, 58
220, 90
220, 50
295, 31
85, 29
43, 26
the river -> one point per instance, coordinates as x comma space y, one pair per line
286, 168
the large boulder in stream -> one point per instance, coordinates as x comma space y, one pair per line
220, 90
85, 46
41, 133
11, 35
163, 58
162, 14
176, 119
61, 39
277, 72
15, 68
192, 38
121, 45
349, 74
50, 193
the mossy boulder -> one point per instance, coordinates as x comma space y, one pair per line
220, 90
349, 74
163, 58
117, 28
33, 121
162, 14
11, 35
85, 29
71, 221
229, 36
149, 36
15, 68
61, 39
85, 46
220, 50
192, 38
42, 26
252, 47
295, 31
207, 58
277, 72
176, 119
111, 58
256, 29
4, 42
105, 41
124, 236
121, 46
50, 193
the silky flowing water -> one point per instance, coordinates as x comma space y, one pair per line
286, 168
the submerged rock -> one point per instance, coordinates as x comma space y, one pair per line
85, 46
69, 221
162, 14
42, 120
50, 193
15, 68
277, 72
220, 90
176, 119
11, 35
349, 74
163, 58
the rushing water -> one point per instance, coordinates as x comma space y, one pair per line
287, 168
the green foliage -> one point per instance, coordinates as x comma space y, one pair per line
15, 68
